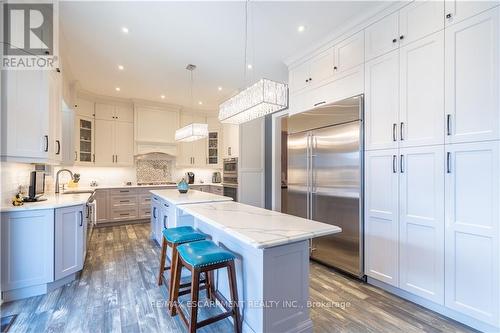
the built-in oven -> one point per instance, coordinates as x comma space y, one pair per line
230, 178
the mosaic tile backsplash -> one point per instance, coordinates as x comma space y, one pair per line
149, 171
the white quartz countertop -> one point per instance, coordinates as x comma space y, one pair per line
258, 227
53, 201
191, 197
105, 187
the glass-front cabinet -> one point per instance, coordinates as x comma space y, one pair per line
213, 148
84, 141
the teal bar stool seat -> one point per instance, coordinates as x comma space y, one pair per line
205, 257
173, 237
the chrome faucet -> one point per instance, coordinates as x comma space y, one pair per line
57, 177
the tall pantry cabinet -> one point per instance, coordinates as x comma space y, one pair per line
432, 161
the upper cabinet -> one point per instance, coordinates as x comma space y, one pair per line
31, 129
192, 153
349, 53
457, 10
154, 125
230, 140
412, 22
472, 79
114, 112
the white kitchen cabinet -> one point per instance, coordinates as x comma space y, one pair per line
458, 10
349, 53
213, 148
314, 71
27, 97
472, 230
85, 107
27, 248
230, 140
421, 92
102, 205
419, 19
55, 116
68, 137
192, 153
472, 90
124, 143
104, 142
84, 140
68, 241
155, 216
421, 221
382, 36
382, 102
381, 215
114, 142
156, 125
104, 111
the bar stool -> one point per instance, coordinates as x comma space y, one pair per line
173, 237
205, 257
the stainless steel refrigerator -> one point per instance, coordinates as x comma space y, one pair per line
325, 172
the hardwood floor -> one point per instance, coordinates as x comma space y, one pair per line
117, 292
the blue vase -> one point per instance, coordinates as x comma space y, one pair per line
183, 186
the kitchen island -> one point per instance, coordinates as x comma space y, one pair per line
272, 265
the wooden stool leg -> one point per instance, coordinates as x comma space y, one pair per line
195, 290
173, 264
209, 276
231, 273
174, 298
162, 260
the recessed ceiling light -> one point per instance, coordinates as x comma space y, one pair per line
120, 67
117, 88
219, 88
125, 30
249, 66
301, 28
200, 103
162, 96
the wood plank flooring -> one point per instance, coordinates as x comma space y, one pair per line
117, 292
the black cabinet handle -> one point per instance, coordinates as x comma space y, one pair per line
401, 129
394, 162
88, 211
448, 124
394, 130
319, 103
46, 143
81, 218
310, 79
448, 162
58, 147
448, 16
165, 221
334, 68
394, 40
402, 37
154, 212
401, 162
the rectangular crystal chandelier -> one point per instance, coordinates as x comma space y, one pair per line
262, 98
191, 132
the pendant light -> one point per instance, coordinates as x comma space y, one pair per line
261, 98
194, 131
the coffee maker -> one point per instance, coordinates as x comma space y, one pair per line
190, 177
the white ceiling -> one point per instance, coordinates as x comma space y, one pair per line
165, 36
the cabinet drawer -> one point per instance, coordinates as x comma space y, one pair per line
144, 212
124, 213
123, 191
145, 198
124, 200
217, 190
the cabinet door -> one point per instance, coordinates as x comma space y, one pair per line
68, 137
421, 221
381, 215
104, 141
104, 111
85, 107
200, 157
230, 138
299, 76
420, 19
124, 113
472, 97
472, 230
382, 36
68, 253
124, 143
102, 205
25, 128
458, 10
349, 53
55, 116
27, 263
422, 92
382, 101
322, 67
155, 215
84, 140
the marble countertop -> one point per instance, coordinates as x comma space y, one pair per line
191, 197
258, 227
105, 187
53, 201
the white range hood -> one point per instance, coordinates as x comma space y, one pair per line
152, 148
